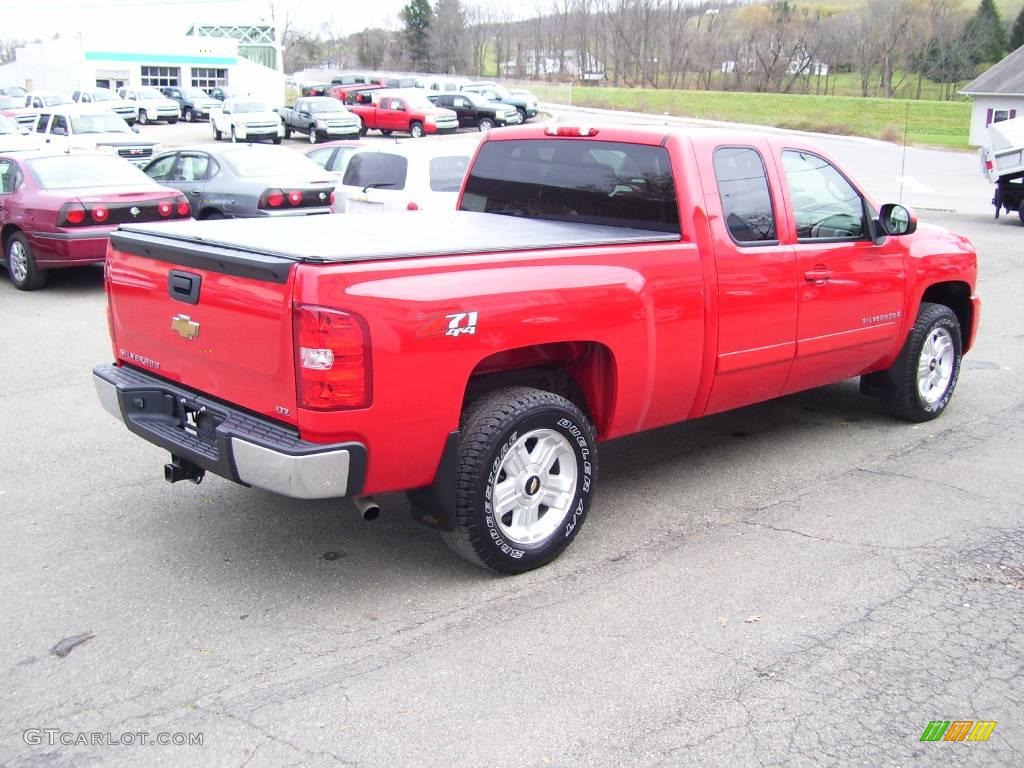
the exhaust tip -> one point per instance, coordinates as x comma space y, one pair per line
367, 507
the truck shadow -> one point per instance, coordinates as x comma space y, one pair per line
248, 539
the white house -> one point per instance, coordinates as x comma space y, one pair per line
68, 62
996, 95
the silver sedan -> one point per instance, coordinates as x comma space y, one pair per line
244, 181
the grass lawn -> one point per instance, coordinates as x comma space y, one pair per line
940, 123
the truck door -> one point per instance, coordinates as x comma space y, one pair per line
757, 301
851, 290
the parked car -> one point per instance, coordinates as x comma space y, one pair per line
320, 117
316, 89
405, 111
247, 119
70, 126
152, 105
14, 91
526, 103
596, 281
244, 181
14, 136
42, 99
104, 98
57, 209
194, 103
331, 155
475, 111
354, 93
223, 93
404, 176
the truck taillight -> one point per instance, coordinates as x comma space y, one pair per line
412, 207
332, 358
570, 130
294, 197
272, 198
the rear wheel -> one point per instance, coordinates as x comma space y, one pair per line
21, 264
172, 120
277, 139
384, 132
143, 117
416, 130
217, 135
526, 472
485, 124
234, 137
188, 115
287, 132
920, 384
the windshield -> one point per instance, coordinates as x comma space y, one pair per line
102, 95
52, 101
73, 171
419, 102
248, 106
194, 93
149, 93
98, 123
500, 90
7, 125
269, 161
324, 106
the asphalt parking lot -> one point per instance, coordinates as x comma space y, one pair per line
803, 582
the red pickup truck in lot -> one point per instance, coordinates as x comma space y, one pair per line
406, 113
595, 282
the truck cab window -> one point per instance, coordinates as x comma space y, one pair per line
597, 182
825, 205
746, 199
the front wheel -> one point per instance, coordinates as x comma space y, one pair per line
522, 115
172, 121
217, 133
384, 132
416, 130
287, 132
277, 139
312, 136
526, 474
234, 137
920, 384
21, 264
485, 124
189, 116
143, 117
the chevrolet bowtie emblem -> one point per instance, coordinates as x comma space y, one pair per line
184, 326
135, 210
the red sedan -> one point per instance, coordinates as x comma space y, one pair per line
56, 209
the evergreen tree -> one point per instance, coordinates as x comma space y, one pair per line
417, 17
985, 35
1017, 35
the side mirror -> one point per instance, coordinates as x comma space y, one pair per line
896, 220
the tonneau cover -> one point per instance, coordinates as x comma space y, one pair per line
347, 238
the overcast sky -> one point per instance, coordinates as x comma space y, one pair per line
141, 19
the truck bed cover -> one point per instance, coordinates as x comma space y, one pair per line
348, 238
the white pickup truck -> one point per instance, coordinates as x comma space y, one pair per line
1002, 162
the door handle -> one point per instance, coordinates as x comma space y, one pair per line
195, 192
819, 275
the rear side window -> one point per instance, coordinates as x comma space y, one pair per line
596, 182
746, 200
381, 169
446, 173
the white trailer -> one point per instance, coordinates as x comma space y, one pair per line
1002, 162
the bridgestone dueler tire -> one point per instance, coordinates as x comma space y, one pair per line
900, 395
489, 428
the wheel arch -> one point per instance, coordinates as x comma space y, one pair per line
5, 235
956, 295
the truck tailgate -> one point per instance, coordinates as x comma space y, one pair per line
213, 320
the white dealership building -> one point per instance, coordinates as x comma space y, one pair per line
70, 62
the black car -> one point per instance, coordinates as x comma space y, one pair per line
475, 111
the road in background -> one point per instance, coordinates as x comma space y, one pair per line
804, 582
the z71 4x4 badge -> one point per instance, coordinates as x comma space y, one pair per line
456, 324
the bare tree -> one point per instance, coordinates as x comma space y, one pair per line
448, 36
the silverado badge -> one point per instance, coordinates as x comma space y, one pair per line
184, 326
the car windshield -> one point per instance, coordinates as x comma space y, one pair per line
73, 171
324, 106
8, 126
98, 123
501, 90
474, 98
102, 95
419, 102
194, 93
149, 93
52, 101
248, 106
269, 161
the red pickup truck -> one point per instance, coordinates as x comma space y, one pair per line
595, 282
406, 113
